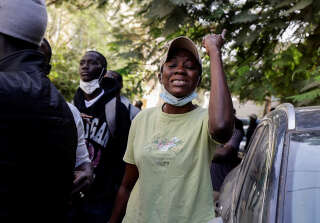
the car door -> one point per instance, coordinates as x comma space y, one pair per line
253, 177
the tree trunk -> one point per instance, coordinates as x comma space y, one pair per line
267, 106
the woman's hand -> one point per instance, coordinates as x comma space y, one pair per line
129, 180
213, 41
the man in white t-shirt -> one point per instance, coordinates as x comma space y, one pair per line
83, 170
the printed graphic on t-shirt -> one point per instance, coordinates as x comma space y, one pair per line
97, 136
166, 144
163, 150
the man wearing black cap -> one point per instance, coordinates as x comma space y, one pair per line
38, 135
107, 124
133, 110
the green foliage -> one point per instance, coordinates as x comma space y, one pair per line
307, 97
298, 6
272, 47
244, 17
64, 73
309, 94
71, 32
262, 57
79, 4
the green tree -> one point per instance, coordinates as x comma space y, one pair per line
72, 30
271, 48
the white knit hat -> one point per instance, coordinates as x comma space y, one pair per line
23, 19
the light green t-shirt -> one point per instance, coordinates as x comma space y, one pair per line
173, 153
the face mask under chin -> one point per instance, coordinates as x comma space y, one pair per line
90, 86
172, 100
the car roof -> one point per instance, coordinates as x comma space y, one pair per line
300, 118
308, 118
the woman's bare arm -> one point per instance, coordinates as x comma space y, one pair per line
220, 104
129, 180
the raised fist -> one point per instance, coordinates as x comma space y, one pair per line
213, 41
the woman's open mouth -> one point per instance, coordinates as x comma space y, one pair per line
179, 83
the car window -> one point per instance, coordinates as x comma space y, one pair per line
248, 158
302, 187
254, 140
250, 202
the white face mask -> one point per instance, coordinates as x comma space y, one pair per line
172, 100
90, 86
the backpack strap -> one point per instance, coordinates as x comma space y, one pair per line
110, 110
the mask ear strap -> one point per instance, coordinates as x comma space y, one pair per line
199, 81
160, 77
101, 74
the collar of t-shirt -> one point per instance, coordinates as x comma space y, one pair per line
91, 102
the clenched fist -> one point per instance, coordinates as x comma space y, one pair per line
213, 41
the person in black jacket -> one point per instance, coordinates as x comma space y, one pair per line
38, 135
133, 110
226, 158
253, 123
107, 124
83, 175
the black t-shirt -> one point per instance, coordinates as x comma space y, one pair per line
105, 150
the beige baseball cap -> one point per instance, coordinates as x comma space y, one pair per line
182, 42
